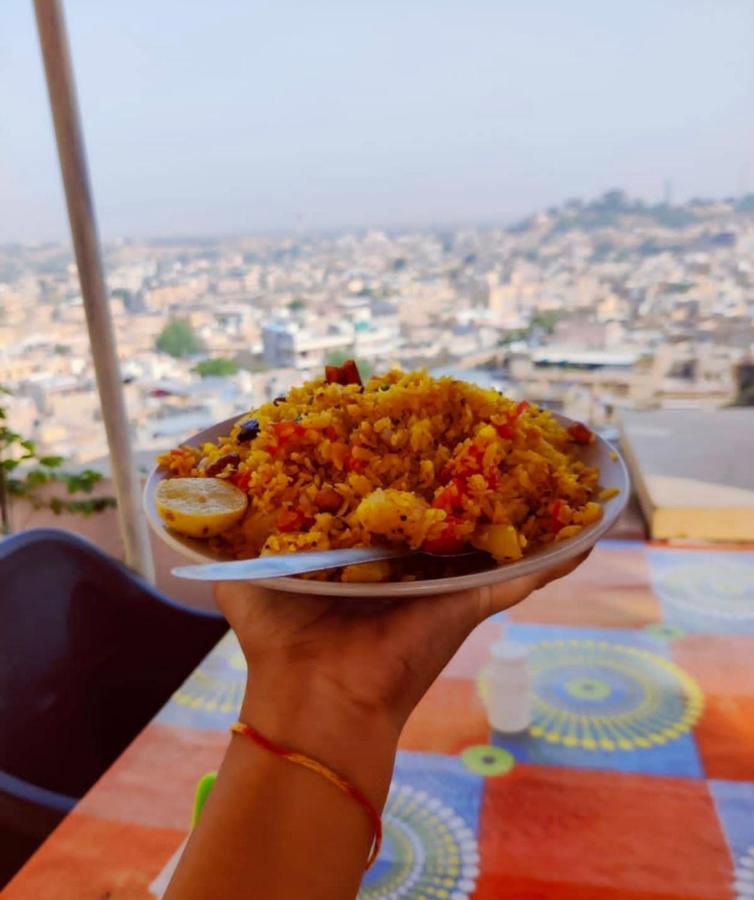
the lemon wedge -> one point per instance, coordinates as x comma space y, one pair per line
199, 507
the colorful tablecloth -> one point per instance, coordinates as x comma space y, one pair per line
635, 779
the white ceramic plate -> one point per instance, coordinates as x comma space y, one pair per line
613, 473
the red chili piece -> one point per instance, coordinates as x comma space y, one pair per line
355, 465
555, 524
451, 496
290, 520
286, 433
505, 431
580, 433
448, 541
241, 480
348, 373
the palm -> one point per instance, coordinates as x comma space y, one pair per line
378, 657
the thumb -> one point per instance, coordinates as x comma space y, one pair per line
501, 596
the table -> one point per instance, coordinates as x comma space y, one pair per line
635, 780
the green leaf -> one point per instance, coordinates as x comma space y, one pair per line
82, 507
91, 475
16, 487
28, 445
36, 477
51, 462
10, 464
83, 481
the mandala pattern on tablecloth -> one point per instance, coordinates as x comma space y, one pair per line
743, 876
218, 685
665, 631
429, 852
708, 591
599, 695
487, 760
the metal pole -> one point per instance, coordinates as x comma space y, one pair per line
72, 154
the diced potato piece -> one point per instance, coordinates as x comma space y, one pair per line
398, 515
257, 527
501, 541
568, 532
591, 513
375, 571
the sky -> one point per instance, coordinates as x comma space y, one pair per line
232, 116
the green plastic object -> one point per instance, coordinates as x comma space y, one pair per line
203, 787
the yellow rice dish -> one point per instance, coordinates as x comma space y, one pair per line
406, 460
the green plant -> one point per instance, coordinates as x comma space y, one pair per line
24, 472
218, 366
178, 338
514, 335
547, 319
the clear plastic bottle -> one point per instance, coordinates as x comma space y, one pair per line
508, 700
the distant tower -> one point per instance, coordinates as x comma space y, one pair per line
667, 194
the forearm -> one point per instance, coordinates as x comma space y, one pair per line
273, 829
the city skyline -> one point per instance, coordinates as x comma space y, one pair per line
511, 223
590, 309
285, 118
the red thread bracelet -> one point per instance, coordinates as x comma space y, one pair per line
307, 762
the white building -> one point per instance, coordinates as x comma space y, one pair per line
288, 343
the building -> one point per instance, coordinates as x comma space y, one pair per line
286, 344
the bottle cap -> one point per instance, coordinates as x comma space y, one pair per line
509, 651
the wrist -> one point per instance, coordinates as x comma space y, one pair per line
300, 715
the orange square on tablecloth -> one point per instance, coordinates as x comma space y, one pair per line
722, 664
546, 832
724, 737
154, 781
449, 718
92, 858
610, 590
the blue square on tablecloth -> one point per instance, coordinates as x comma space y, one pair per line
431, 823
734, 801
706, 591
443, 777
211, 696
606, 699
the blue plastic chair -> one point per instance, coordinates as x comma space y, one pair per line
88, 654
